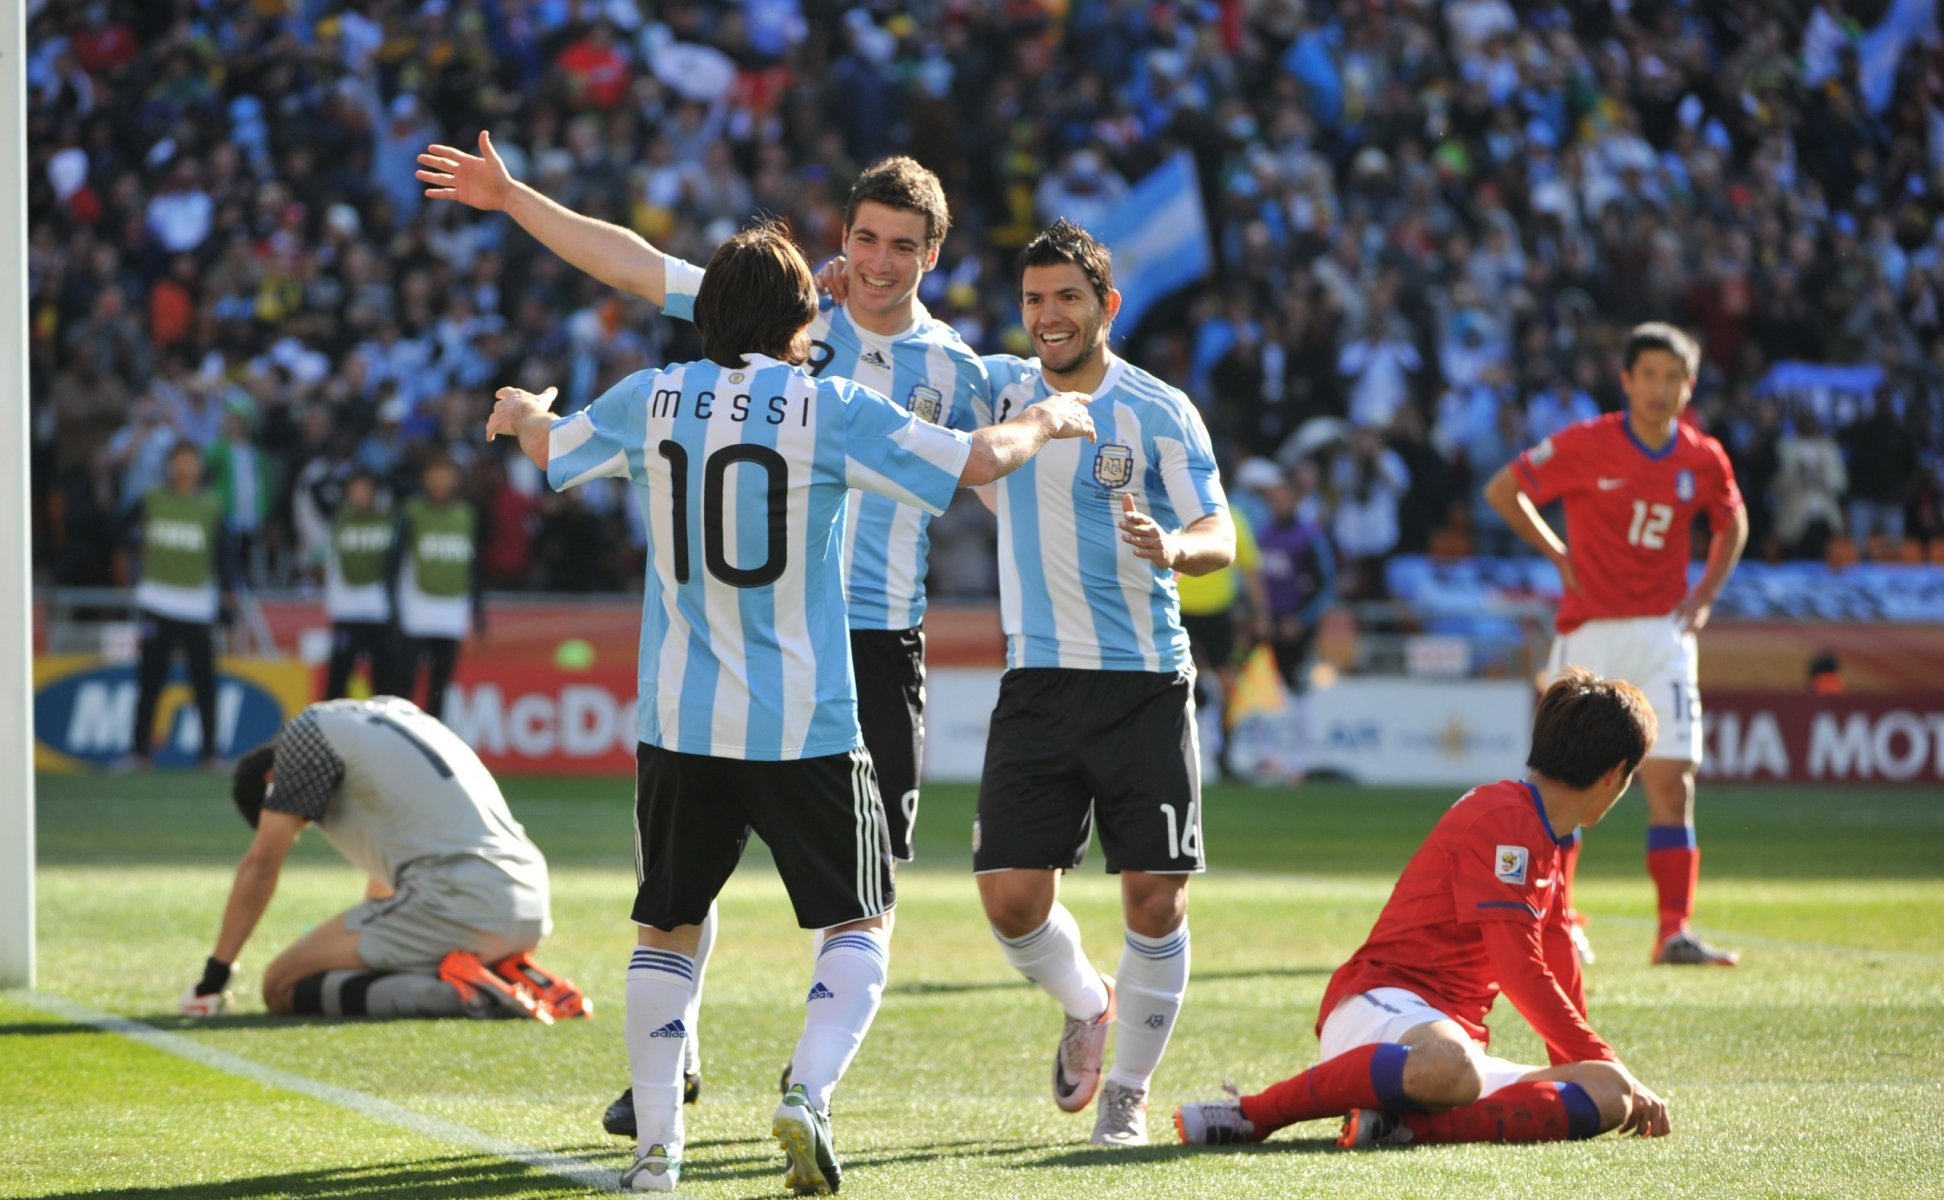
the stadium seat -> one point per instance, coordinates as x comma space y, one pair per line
1842, 552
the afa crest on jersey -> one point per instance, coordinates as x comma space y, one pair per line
926, 403
1509, 864
1684, 485
1113, 465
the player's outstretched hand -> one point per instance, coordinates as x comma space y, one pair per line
832, 280
1065, 415
1646, 1113
1149, 540
512, 405
476, 180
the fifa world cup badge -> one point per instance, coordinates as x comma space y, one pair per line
1509, 864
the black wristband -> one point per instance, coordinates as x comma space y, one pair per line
216, 977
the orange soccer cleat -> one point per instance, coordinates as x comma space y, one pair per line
560, 997
485, 994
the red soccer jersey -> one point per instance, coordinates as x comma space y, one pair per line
1491, 860
1629, 512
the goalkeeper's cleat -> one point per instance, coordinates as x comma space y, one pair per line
1215, 1122
1076, 1064
619, 1119
1582, 945
1682, 949
1367, 1127
1121, 1118
484, 994
655, 1169
562, 997
804, 1134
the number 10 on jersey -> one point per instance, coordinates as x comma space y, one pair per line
715, 475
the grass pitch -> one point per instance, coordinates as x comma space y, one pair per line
1815, 1069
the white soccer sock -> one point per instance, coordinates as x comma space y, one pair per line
660, 985
1153, 978
845, 991
1051, 959
692, 1015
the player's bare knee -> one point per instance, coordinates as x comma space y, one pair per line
1154, 905
1441, 1073
1606, 1085
1015, 905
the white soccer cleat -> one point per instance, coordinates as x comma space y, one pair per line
656, 1169
1121, 1119
1683, 949
215, 1004
1215, 1122
1076, 1065
1582, 945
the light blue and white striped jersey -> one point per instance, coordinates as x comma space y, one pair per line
743, 476
1071, 592
926, 368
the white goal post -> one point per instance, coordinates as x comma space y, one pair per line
16, 530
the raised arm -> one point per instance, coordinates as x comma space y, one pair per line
999, 450
525, 416
617, 257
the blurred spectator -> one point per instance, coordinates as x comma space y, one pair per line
1809, 484
1882, 473
1369, 481
1298, 565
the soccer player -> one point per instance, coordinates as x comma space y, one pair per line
455, 882
355, 595
1478, 911
1095, 721
1633, 484
187, 579
748, 714
435, 568
880, 336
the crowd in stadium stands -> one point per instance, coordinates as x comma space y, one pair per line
1432, 222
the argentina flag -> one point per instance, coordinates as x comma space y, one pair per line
1159, 238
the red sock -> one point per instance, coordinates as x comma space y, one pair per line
1523, 1112
1368, 1077
1568, 867
1674, 861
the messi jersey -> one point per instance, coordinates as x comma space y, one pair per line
928, 370
1491, 857
1071, 592
1629, 512
743, 476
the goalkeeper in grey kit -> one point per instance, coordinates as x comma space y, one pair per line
458, 897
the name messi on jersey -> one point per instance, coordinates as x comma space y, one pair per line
706, 405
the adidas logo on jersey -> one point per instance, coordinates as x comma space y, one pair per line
674, 1029
874, 358
819, 992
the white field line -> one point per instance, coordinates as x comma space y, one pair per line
1732, 939
574, 1170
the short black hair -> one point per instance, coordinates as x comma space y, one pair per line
250, 781
757, 297
1587, 725
903, 183
1659, 335
1065, 242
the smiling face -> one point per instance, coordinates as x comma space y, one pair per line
1064, 316
1658, 387
885, 254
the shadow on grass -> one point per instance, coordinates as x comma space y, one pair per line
427, 1179
1109, 1156
940, 987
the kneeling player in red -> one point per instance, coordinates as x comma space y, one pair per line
1476, 912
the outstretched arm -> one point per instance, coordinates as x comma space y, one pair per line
999, 450
250, 893
617, 257
525, 416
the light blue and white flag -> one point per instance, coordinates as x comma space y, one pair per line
1159, 238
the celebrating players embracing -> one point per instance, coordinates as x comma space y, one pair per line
748, 714
1633, 484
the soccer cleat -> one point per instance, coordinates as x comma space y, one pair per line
1121, 1119
485, 994
1582, 945
1215, 1122
655, 1169
1076, 1064
1367, 1127
1683, 949
562, 998
804, 1134
619, 1119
